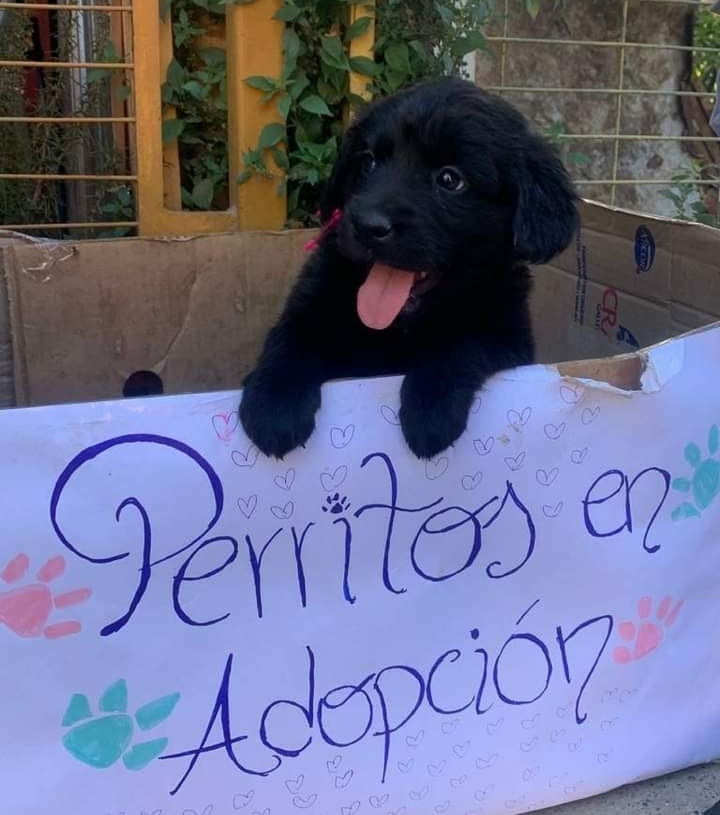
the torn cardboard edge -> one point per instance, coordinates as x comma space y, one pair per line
79, 318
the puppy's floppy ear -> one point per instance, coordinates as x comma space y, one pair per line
546, 218
338, 185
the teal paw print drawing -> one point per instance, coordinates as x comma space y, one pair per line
102, 740
704, 483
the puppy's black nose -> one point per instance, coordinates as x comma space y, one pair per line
373, 226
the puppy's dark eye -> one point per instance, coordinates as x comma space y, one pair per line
451, 180
367, 162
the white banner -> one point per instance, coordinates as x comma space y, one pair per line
190, 629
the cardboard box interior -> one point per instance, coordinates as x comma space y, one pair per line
76, 319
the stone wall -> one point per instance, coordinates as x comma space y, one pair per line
537, 65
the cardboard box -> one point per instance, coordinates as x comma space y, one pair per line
79, 318
528, 619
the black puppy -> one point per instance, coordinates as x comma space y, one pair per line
439, 197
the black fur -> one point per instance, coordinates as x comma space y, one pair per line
518, 206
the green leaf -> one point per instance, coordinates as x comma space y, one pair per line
396, 79
287, 13
364, 66
473, 41
358, 28
212, 56
195, 89
261, 83
532, 7
271, 135
299, 85
397, 57
333, 47
333, 54
123, 93
314, 104
283, 106
291, 45
155, 712
175, 74
203, 193
280, 158
446, 14
172, 129
95, 75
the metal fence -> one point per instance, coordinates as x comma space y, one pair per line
614, 82
66, 116
617, 85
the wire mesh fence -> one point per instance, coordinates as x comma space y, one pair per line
67, 166
625, 88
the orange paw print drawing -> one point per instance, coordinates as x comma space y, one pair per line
645, 635
26, 607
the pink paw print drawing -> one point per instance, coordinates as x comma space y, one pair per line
26, 607
645, 635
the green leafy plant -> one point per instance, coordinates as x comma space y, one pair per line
706, 35
573, 159
196, 86
690, 199
51, 148
119, 205
413, 41
313, 94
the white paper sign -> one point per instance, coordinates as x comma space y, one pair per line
190, 629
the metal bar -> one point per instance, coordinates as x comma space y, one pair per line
664, 181
605, 44
632, 137
53, 7
503, 48
50, 65
78, 225
259, 203
614, 91
61, 177
65, 120
363, 46
619, 100
172, 191
154, 218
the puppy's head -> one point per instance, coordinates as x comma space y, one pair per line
444, 180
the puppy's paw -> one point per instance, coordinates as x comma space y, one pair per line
432, 418
278, 415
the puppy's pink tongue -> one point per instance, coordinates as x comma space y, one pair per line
383, 294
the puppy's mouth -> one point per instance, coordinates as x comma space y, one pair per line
388, 291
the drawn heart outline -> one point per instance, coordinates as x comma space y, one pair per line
225, 424
247, 505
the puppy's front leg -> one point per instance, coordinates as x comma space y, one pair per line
436, 395
282, 395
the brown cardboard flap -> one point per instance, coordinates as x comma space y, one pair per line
195, 311
7, 385
87, 315
629, 281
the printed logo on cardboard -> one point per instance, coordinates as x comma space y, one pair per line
606, 319
644, 249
